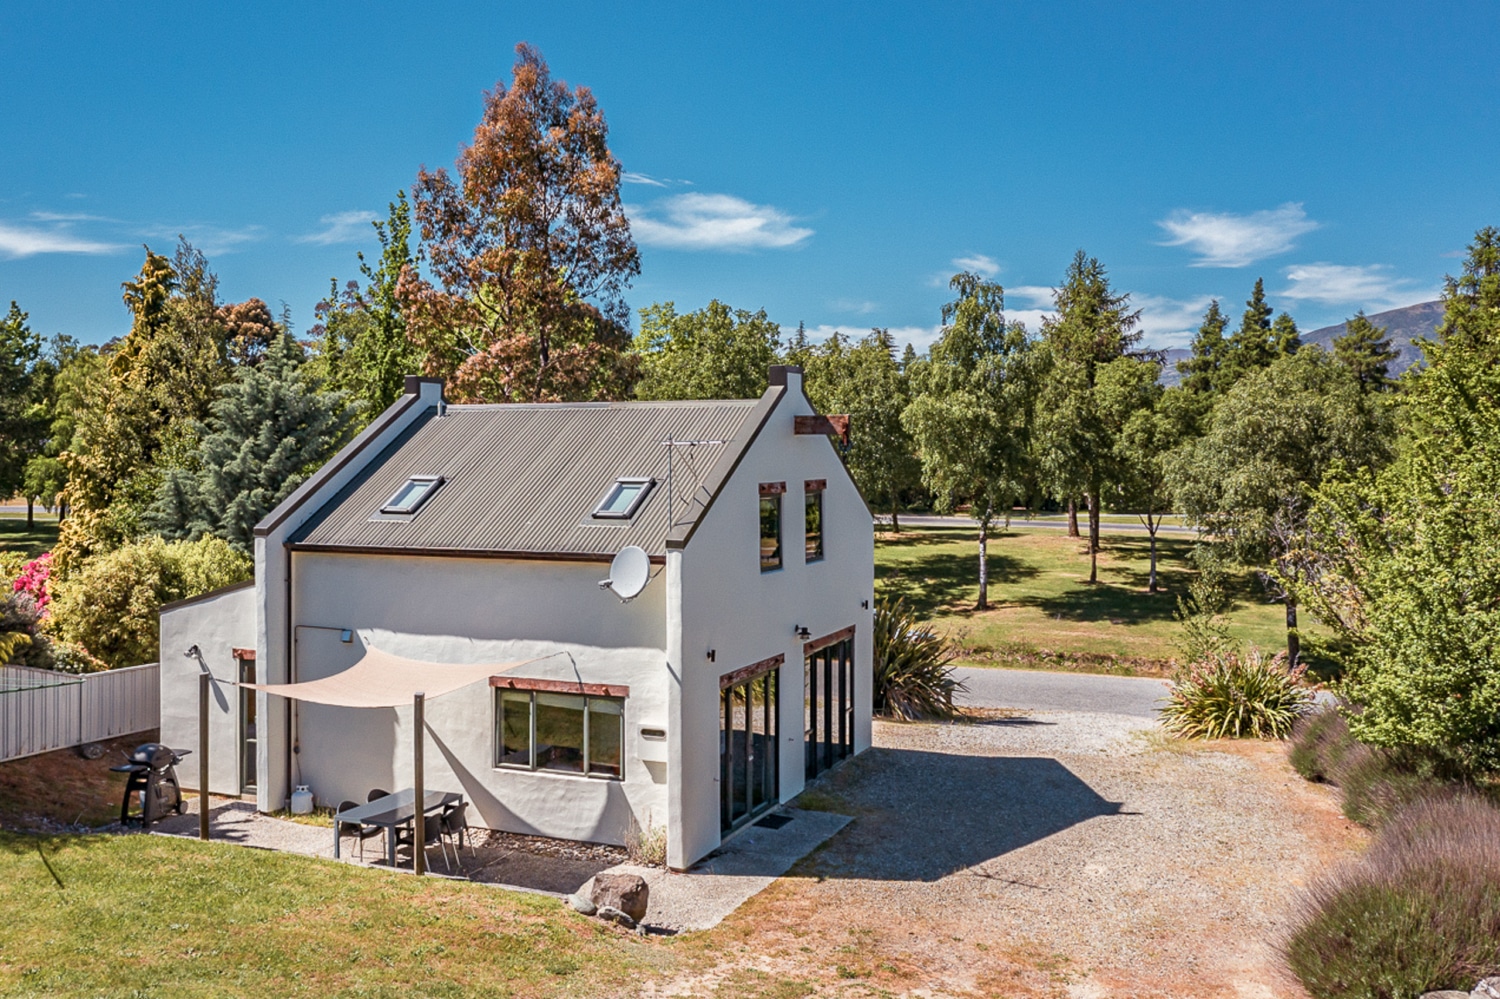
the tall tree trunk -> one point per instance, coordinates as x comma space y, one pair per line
1073, 517
895, 524
30, 513
984, 562
1093, 499
1151, 528
1293, 641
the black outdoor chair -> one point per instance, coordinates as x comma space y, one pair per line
432, 832
455, 826
357, 829
376, 793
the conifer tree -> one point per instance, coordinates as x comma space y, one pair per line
1285, 337
270, 427
1366, 351
1200, 371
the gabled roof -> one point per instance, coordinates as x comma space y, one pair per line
523, 480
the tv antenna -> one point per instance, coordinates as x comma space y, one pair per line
672, 445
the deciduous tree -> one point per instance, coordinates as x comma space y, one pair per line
971, 411
713, 353
529, 251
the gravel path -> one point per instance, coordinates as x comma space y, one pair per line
1059, 853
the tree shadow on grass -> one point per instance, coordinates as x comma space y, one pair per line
949, 581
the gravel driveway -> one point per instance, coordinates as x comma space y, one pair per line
1035, 690
1058, 853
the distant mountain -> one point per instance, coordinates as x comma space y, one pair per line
1402, 326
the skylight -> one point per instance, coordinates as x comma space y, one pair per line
624, 498
412, 494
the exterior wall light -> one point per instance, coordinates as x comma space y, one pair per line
801, 632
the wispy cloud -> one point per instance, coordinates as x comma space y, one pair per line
1170, 322
855, 306
213, 240
340, 227
978, 263
1224, 239
630, 177
1035, 295
714, 222
28, 241
70, 217
1371, 287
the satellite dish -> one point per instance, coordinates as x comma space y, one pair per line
629, 573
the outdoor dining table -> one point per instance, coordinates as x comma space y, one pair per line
393, 812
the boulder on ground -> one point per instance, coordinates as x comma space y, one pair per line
1489, 988
626, 892
610, 914
581, 904
1445, 994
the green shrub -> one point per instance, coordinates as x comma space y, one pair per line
1419, 912
1236, 696
109, 604
913, 678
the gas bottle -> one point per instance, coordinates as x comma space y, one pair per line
302, 800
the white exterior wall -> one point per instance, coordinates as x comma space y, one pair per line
272, 570
744, 615
217, 624
465, 610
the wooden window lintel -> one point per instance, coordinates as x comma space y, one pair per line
744, 673
243, 654
560, 686
772, 488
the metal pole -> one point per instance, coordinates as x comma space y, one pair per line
203, 680
419, 830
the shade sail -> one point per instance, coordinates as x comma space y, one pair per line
381, 680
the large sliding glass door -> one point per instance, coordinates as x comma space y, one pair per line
828, 705
748, 779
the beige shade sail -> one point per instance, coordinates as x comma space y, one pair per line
381, 680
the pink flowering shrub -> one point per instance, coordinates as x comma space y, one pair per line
33, 581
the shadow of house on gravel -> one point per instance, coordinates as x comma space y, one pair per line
921, 816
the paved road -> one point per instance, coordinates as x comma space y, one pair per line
1034, 690
934, 520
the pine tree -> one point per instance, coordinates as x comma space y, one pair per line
1200, 372
1366, 351
271, 426
1285, 337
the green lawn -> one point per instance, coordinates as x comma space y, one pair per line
1043, 612
156, 916
16, 537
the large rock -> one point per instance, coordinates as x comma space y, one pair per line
625, 892
1487, 989
1445, 994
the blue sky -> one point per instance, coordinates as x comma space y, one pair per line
830, 163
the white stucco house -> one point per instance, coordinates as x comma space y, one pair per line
472, 534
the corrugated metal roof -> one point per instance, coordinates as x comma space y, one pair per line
525, 478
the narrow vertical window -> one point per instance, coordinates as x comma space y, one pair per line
813, 518
770, 525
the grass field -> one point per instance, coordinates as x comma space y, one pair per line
158, 916
16, 537
1043, 612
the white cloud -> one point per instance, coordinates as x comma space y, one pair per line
978, 263
69, 217
1035, 295
713, 222
340, 227
1170, 322
856, 306
630, 177
1372, 287
1223, 239
29, 241
211, 239
1032, 318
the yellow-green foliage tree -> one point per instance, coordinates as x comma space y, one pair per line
109, 605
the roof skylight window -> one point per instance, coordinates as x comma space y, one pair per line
624, 498
412, 494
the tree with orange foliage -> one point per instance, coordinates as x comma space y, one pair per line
529, 252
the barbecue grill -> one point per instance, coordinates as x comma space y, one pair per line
153, 780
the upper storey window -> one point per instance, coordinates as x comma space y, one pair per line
812, 516
770, 525
412, 494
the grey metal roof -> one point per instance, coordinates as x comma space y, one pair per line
525, 478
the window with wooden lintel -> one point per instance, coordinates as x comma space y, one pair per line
561, 733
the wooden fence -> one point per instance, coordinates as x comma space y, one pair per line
41, 710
